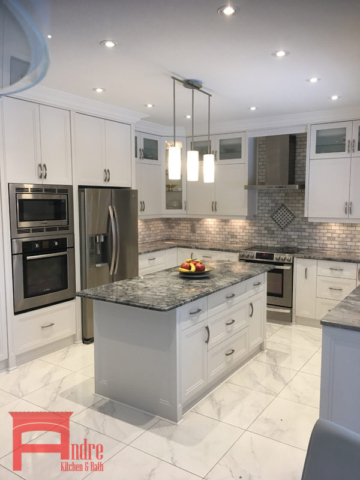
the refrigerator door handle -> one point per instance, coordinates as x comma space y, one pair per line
117, 240
113, 232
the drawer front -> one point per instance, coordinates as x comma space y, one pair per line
147, 260
225, 324
156, 268
231, 256
334, 288
255, 285
193, 312
226, 298
47, 325
323, 307
337, 269
227, 354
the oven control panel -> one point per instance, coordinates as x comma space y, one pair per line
44, 245
266, 257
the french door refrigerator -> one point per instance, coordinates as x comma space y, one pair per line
109, 242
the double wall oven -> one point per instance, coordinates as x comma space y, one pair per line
42, 231
279, 280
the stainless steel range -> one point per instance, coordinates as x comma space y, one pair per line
280, 279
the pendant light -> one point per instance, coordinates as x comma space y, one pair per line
174, 151
192, 155
209, 159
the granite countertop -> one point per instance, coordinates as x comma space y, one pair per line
166, 244
331, 255
346, 314
166, 290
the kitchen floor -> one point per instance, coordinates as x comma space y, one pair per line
254, 426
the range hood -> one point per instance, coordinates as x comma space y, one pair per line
279, 164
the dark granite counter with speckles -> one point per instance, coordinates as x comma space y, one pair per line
166, 244
166, 290
331, 255
347, 314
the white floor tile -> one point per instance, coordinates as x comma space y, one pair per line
234, 405
47, 466
263, 377
304, 388
305, 328
298, 338
258, 458
288, 422
6, 474
313, 366
88, 371
6, 398
115, 420
196, 445
271, 328
73, 358
30, 377
284, 355
131, 464
72, 393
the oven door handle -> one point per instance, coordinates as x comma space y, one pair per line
283, 267
47, 255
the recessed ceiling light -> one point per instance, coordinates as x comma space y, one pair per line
228, 10
99, 90
280, 53
313, 80
108, 43
150, 105
49, 36
187, 116
334, 97
253, 108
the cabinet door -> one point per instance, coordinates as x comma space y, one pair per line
151, 189
354, 199
305, 281
230, 148
200, 196
118, 153
55, 145
138, 179
356, 139
201, 144
257, 319
175, 189
331, 140
329, 188
193, 360
90, 150
150, 148
22, 141
230, 195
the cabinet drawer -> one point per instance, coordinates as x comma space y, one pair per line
323, 307
227, 354
225, 324
255, 285
156, 268
151, 259
337, 269
193, 313
40, 327
334, 288
226, 298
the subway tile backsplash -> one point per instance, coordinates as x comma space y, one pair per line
262, 230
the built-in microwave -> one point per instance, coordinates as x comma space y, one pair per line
40, 209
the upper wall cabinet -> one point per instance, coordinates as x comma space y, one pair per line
37, 143
229, 148
175, 189
147, 148
331, 140
356, 139
102, 152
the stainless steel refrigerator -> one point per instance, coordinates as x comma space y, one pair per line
109, 242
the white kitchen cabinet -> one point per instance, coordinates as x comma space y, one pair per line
149, 186
334, 288
118, 153
256, 320
331, 140
229, 148
356, 139
200, 196
175, 190
230, 195
201, 144
147, 148
354, 197
305, 284
324, 306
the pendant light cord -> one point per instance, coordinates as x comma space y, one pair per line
174, 113
192, 119
208, 124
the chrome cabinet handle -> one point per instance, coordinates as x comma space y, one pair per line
350, 207
337, 289
142, 154
45, 174
40, 171
208, 334
336, 269
212, 206
144, 205
139, 153
230, 323
191, 256
348, 149
215, 155
252, 309
232, 351
48, 325
354, 143
140, 205
232, 295
108, 175
150, 259
256, 284
346, 208
196, 311
215, 206
105, 175
306, 270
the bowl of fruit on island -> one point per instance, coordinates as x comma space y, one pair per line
194, 268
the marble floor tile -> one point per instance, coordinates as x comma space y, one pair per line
132, 464
288, 422
6, 474
271, 328
47, 466
6, 398
234, 405
284, 355
115, 420
313, 366
298, 338
72, 393
30, 377
75, 357
304, 388
89, 371
305, 328
258, 458
195, 445
263, 377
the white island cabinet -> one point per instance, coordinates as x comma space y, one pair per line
163, 361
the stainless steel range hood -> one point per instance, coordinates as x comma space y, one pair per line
279, 164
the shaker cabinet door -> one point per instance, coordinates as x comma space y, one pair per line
331, 140
230, 194
118, 153
305, 281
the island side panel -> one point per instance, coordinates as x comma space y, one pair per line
136, 358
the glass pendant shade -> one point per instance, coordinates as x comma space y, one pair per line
192, 165
174, 163
209, 168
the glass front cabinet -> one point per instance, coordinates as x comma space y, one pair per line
356, 139
147, 148
175, 202
227, 148
332, 140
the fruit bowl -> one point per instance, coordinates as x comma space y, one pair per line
194, 269
204, 273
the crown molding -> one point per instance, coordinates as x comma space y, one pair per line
57, 98
158, 129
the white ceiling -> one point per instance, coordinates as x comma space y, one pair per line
232, 56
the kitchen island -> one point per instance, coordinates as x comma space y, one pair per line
162, 342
